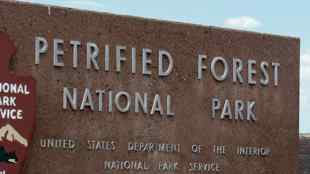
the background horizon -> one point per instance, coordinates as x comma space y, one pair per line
284, 19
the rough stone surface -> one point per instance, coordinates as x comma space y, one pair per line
277, 107
304, 154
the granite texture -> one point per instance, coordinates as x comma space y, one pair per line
277, 125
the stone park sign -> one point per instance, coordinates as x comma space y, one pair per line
119, 94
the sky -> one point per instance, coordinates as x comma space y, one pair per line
289, 18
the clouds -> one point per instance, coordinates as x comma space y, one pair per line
243, 22
305, 66
305, 76
304, 90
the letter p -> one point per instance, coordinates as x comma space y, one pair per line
41, 46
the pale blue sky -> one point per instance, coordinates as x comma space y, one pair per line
284, 18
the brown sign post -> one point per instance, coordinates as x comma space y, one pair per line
119, 94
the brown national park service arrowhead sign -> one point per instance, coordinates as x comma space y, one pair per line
17, 111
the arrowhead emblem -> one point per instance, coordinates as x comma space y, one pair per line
17, 111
